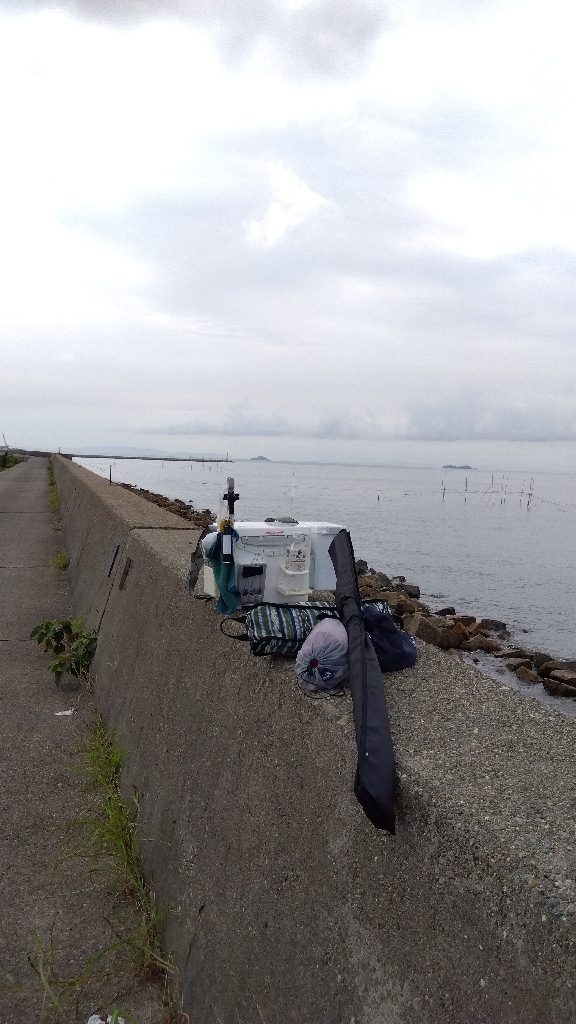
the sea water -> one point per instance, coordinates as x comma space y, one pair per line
495, 545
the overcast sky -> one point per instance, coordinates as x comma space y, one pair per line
339, 229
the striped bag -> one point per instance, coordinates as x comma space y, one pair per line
280, 628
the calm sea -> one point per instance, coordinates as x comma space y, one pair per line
493, 545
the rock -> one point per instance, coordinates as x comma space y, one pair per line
384, 581
398, 579
427, 631
492, 624
411, 622
452, 637
361, 567
558, 689
411, 590
449, 610
480, 643
515, 652
539, 658
550, 666
515, 663
404, 607
564, 675
466, 620
477, 630
436, 621
527, 675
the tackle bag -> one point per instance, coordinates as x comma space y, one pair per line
394, 648
280, 628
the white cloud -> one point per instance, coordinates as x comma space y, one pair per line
292, 204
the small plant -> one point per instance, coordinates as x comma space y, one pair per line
61, 561
108, 840
113, 832
54, 496
72, 645
7, 460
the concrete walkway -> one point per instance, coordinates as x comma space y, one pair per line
41, 789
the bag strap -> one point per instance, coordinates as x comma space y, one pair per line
234, 636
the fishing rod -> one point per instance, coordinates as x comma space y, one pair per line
230, 497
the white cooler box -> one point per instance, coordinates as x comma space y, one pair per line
260, 558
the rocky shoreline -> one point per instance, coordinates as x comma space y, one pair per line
442, 628
445, 629
180, 508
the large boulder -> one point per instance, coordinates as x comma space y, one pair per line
493, 624
527, 675
557, 688
564, 675
424, 629
515, 663
480, 643
515, 652
453, 637
551, 666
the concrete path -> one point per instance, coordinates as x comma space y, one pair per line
41, 789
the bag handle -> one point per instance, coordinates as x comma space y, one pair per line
234, 636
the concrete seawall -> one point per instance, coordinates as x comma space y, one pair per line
292, 908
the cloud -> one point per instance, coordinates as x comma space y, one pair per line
293, 203
318, 38
489, 417
240, 422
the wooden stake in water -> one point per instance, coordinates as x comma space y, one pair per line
110, 475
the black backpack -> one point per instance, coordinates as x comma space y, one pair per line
394, 648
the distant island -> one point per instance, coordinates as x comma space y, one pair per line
259, 458
457, 467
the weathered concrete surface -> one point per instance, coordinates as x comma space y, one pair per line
41, 788
293, 908
93, 531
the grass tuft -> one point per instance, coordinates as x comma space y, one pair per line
54, 496
61, 561
7, 460
109, 840
113, 832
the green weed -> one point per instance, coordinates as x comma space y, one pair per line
72, 645
113, 832
54, 497
7, 460
61, 561
108, 839
58, 989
